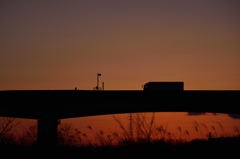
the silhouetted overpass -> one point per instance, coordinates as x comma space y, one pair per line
50, 105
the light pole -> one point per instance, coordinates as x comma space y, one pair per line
99, 74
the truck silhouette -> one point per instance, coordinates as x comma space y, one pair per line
163, 86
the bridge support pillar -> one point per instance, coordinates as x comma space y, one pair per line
48, 131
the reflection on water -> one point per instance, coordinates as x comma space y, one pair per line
180, 125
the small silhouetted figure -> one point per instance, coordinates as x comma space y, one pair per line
75, 88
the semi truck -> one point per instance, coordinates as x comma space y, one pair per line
163, 86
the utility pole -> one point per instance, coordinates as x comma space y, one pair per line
99, 74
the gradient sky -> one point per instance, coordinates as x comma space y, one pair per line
64, 44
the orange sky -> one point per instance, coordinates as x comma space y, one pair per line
63, 45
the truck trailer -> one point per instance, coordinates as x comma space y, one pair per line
163, 86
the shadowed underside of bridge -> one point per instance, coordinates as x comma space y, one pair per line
93, 109
49, 106
69, 104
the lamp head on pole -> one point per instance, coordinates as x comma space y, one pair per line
99, 74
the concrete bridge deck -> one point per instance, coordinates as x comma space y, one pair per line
34, 104
48, 106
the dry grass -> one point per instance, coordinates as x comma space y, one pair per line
145, 132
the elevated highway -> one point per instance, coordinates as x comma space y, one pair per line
48, 106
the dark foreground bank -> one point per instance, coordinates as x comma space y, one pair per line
229, 147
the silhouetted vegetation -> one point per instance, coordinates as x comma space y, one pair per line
147, 135
6, 134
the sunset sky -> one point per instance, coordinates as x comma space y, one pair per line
64, 44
